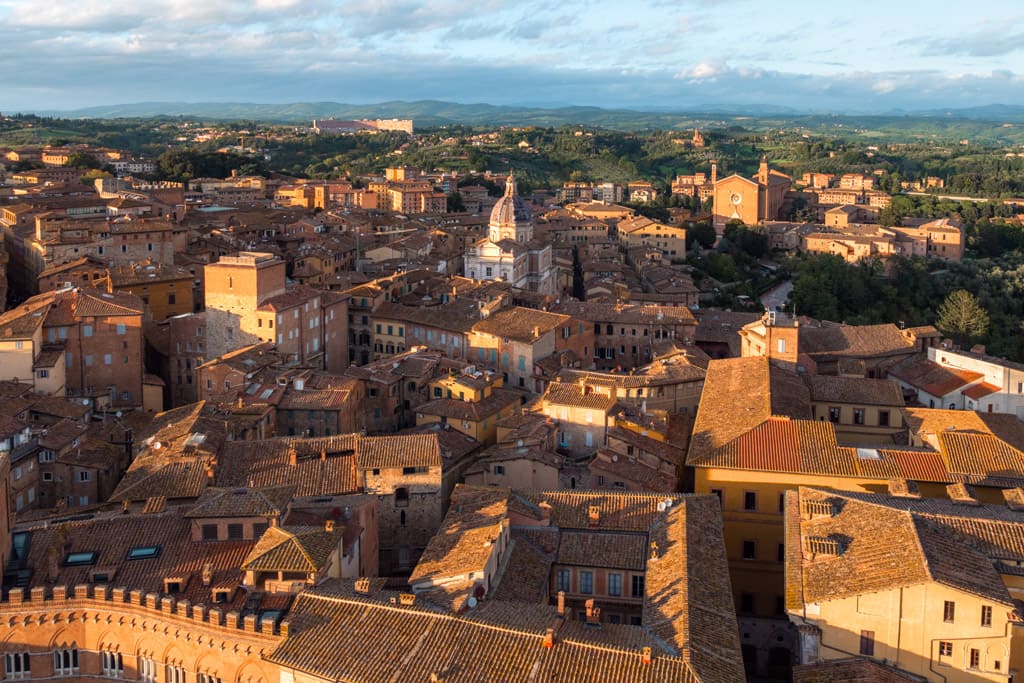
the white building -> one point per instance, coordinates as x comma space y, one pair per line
509, 252
1000, 391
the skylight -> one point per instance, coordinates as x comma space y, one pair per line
144, 552
80, 559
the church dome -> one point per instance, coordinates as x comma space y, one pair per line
510, 211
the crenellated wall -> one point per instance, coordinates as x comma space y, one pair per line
98, 618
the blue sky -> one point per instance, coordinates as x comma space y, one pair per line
679, 54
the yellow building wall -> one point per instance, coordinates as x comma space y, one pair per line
763, 576
908, 624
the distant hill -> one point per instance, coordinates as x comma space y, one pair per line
431, 113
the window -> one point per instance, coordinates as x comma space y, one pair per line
83, 475
782, 346
86, 330
113, 664
749, 500
562, 580
122, 329
975, 659
47, 476
175, 674
172, 298
209, 532
16, 665
986, 615
867, 643
615, 585
65, 661
235, 532
586, 582
833, 413
108, 359
207, 678
638, 586
945, 648
858, 416
746, 603
402, 497
498, 469
948, 611
721, 499
401, 518
749, 550
80, 559
145, 552
42, 374
782, 552
147, 669
883, 418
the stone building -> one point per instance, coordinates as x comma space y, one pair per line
510, 252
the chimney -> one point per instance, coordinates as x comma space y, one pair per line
593, 613
323, 455
52, 567
125, 505
363, 586
329, 525
536, 331
593, 516
561, 603
293, 456
545, 511
549, 638
714, 172
645, 655
207, 574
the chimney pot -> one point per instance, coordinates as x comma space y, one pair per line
561, 603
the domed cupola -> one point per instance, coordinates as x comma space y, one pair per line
510, 217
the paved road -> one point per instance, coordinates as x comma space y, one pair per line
776, 297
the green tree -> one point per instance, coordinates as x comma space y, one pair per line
701, 233
82, 160
455, 203
962, 317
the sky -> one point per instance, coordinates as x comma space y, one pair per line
866, 56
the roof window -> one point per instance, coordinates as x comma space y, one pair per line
144, 552
80, 559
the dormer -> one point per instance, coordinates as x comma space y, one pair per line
816, 509
822, 547
962, 494
904, 488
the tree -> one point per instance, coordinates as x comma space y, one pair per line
962, 317
82, 160
702, 233
455, 203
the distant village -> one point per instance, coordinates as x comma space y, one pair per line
259, 429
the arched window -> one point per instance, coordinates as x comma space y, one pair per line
113, 664
147, 668
65, 661
401, 496
16, 665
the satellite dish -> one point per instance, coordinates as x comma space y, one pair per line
85, 401
118, 414
157, 445
661, 506
471, 602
